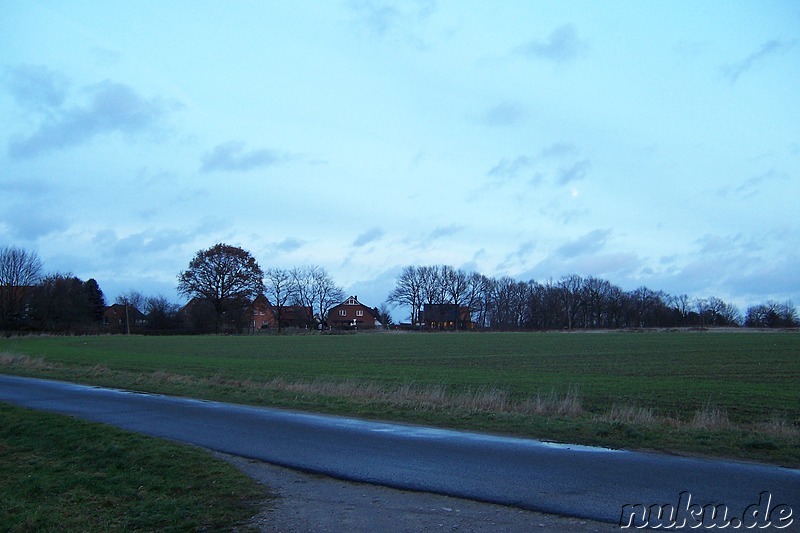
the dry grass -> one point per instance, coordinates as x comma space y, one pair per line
24, 361
711, 417
778, 426
554, 404
629, 414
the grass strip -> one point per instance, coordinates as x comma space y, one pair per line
64, 474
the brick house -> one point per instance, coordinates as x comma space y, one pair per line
352, 314
265, 316
446, 316
121, 317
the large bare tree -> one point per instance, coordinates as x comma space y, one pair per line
226, 276
281, 290
316, 290
408, 292
20, 270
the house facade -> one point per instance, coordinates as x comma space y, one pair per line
265, 315
121, 317
446, 316
352, 314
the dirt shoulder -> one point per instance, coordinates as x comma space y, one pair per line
307, 502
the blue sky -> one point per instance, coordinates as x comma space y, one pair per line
647, 143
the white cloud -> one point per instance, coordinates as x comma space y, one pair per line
36, 87
561, 46
371, 235
112, 107
587, 244
574, 172
232, 157
735, 70
504, 114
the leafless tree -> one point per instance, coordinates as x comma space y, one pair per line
280, 290
570, 293
408, 292
316, 290
20, 270
772, 314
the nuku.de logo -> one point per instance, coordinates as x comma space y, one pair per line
686, 514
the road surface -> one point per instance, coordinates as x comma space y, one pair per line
579, 481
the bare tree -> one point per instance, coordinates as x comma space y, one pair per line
408, 292
431, 287
280, 289
316, 290
682, 306
226, 276
20, 270
162, 315
772, 314
326, 293
570, 293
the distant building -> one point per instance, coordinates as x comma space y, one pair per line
446, 316
265, 315
123, 318
352, 314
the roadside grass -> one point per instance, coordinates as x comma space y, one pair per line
732, 394
63, 474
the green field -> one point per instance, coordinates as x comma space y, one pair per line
62, 474
732, 394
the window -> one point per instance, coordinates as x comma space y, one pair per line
342, 312
359, 312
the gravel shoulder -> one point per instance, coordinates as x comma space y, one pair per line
306, 502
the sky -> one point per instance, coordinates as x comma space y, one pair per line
647, 143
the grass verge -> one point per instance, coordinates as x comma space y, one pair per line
63, 474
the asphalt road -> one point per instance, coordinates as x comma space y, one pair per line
579, 481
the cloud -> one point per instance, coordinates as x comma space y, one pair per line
112, 107
398, 19
517, 257
775, 46
289, 244
368, 236
558, 149
510, 168
587, 244
35, 87
445, 231
752, 186
142, 244
574, 172
232, 157
33, 220
504, 114
561, 46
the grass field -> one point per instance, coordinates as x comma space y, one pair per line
732, 394
62, 474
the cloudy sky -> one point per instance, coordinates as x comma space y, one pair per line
647, 143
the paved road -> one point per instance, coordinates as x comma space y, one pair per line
578, 481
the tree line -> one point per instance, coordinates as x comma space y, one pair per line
571, 302
224, 280
221, 283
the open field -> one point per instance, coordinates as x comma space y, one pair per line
732, 394
62, 474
